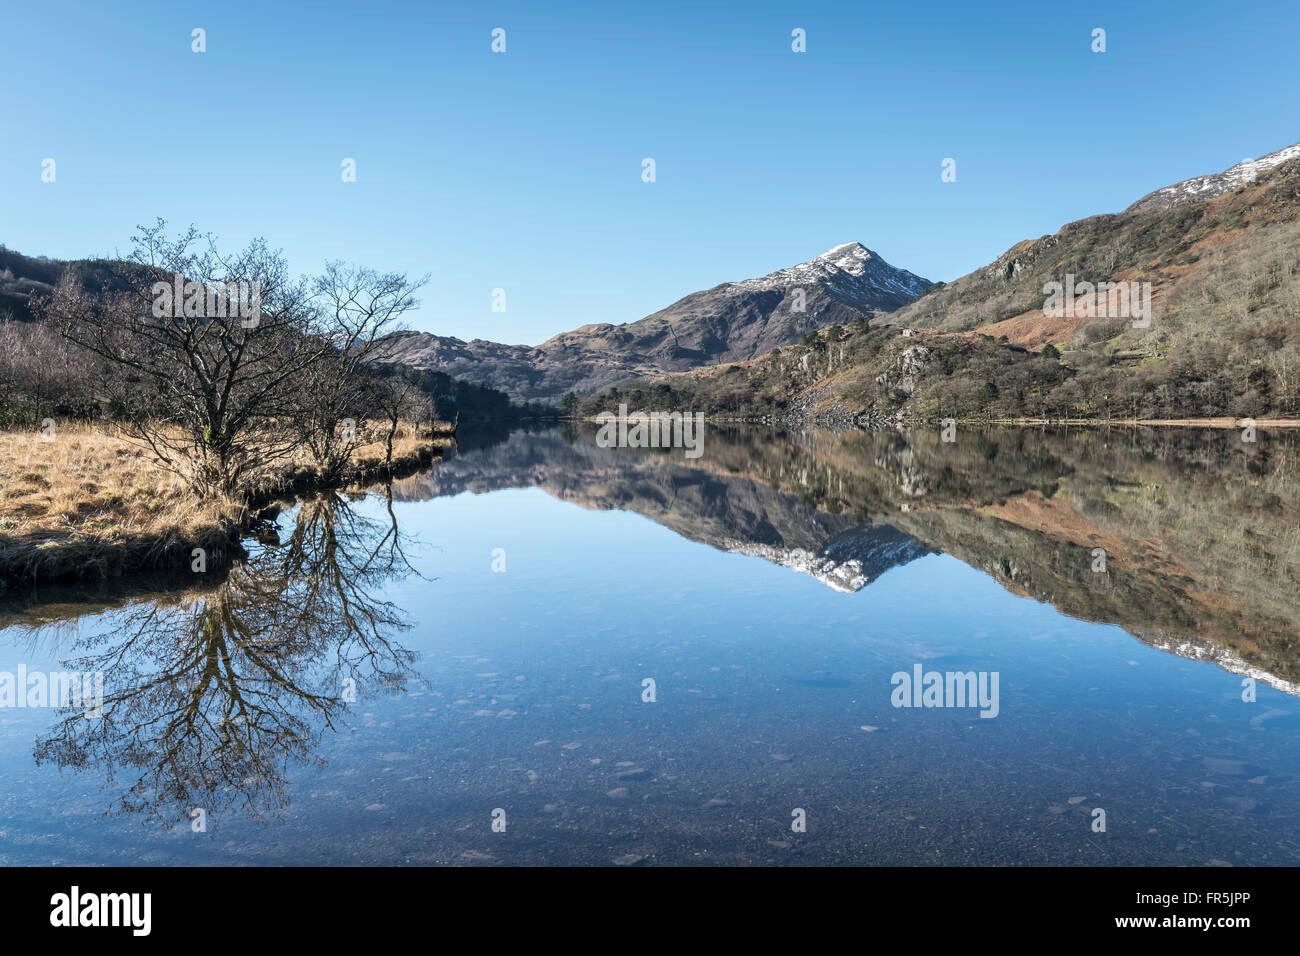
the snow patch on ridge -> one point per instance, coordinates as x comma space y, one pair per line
1215, 184
1201, 650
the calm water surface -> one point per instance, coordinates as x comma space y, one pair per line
498, 616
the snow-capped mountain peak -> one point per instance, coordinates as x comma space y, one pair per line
849, 270
847, 255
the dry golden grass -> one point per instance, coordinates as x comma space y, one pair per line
407, 443
89, 481
92, 501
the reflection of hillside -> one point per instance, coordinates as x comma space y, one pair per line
1201, 531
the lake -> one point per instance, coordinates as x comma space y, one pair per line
1023, 646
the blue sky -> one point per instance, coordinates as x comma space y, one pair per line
522, 170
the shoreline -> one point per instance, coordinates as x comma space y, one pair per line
37, 561
1221, 423
1224, 422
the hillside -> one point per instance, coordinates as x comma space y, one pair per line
26, 278
1224, 337
41, 373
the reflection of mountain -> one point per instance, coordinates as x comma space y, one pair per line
847, 562
1200, 531
728, 512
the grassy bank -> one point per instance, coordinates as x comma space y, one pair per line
91, 503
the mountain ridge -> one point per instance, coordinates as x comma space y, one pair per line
731, 321
1214, 184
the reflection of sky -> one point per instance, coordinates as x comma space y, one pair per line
765, 679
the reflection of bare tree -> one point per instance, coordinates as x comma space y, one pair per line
212, 700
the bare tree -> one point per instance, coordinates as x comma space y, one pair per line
359, 309
42, 374
206, 352
396, 398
